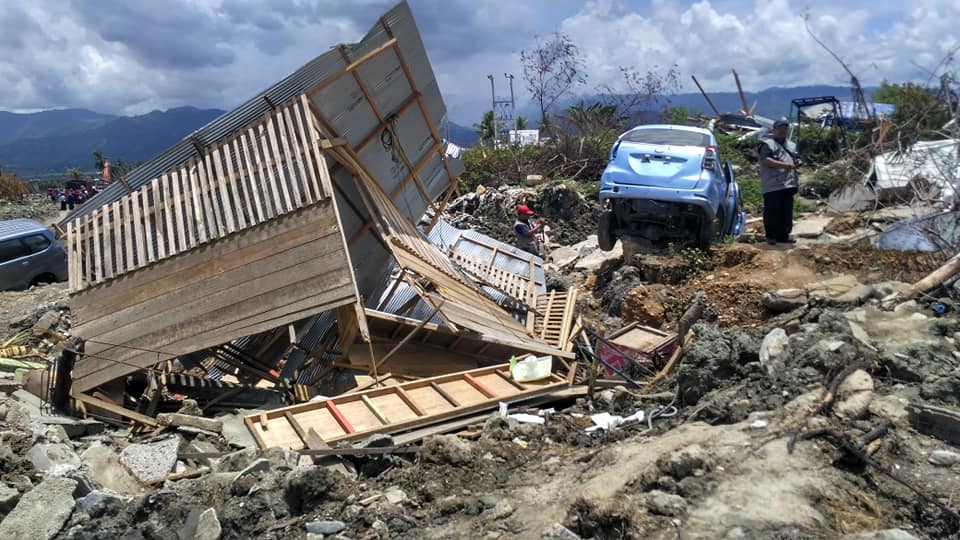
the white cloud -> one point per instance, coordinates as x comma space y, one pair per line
130, 56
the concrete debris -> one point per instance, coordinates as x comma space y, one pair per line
772, 350
811, 227
8, 498
152, 462
886, 534
854, 395
558, 532
665, 504
41, 513
57, 459
103, 466
186, 420
325, 527
208, 526
448, 449
944, 458
96, 503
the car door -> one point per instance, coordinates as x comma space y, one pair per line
14, 264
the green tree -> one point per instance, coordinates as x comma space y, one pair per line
99, 160
920, 112
677, 115
593, 119
521, 123
485, 128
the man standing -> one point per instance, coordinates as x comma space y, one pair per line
778, 182
527, 234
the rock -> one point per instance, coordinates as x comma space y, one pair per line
944, 458
187, 420
854, 395
448, 449
811, 227
74, 427
237, 461
558, 532
502, 510
103, 466
685, 461
666, 504
886, 534
47, 322
395, 495
8, 498
41, 512
190, 407
377, 440
96, 503
564, 255
892, 407
772, 350
258, 466
784, 300
594, 258
208, 526
235, 431
56, 459
639, 307
282, 458
326, 527
306, 487
151, 462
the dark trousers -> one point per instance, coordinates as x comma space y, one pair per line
778, 214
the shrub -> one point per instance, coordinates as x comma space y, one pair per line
12, 187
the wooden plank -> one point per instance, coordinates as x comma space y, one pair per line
148, 232
90, 239
198, 205
116, 409
480, 386
243, 207
254, 169
158, 219
228, 200
110, 234
277, 159
290, 160
271, 179
97, 256
306, 145
171, 236
207, 185
71, 258
180, 222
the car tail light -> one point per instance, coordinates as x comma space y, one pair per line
710, 158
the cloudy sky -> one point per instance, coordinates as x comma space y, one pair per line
134, 56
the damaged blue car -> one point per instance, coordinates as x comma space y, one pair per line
668, 184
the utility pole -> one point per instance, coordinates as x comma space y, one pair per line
493, 110
513, 103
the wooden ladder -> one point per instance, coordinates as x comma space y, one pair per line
393, 408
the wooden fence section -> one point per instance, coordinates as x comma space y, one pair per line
553, 321
267, 170
392, 409
258, 279
519, 286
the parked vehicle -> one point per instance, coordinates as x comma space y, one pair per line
29, 254
667, 183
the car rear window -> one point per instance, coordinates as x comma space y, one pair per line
674, 137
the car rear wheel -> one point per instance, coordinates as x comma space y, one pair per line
713, 231
605, 235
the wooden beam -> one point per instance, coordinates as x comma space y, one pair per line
352, 66
114, 408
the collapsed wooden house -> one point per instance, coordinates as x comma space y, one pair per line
259, 251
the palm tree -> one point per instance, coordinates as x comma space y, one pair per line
485, 128
521, 123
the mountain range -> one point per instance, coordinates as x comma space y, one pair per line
45, 142
772, 103
49, 142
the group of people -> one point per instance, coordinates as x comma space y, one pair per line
70, 197
779, 182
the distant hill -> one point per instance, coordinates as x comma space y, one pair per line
64, 139
15, 126
461, 135
772, 102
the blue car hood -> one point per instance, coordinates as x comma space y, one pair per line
678, 167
